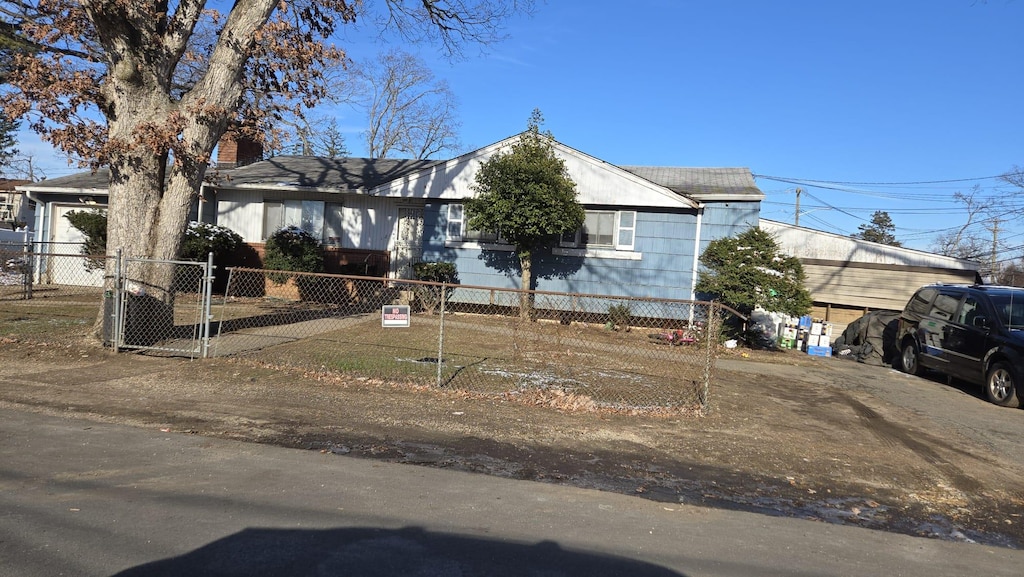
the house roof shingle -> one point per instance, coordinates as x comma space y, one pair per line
320, 172
357, 174
293, 171
705, 184
99, 180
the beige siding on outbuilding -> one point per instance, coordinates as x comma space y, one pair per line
848, 277
872, 286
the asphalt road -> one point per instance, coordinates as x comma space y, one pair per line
85, 498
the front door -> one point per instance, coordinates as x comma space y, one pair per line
409, 244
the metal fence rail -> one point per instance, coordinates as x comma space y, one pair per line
549, 348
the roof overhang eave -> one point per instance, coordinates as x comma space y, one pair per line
731, 198
60, 190
287, 188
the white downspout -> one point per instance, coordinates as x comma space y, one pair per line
696, 253
40, 215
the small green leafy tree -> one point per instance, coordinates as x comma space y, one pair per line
93, 226
293, 249
528, 197
441, 272
748, 271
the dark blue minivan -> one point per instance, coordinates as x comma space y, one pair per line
974, 333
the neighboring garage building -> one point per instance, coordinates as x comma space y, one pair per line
848, 277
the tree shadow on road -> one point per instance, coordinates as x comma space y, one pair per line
385, 552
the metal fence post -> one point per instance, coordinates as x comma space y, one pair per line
29, 276
440, 336
207, 316
117, 314
710, 342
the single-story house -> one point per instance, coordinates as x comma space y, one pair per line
645, 226
15, 210
848, 277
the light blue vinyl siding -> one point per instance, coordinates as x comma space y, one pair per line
664, 239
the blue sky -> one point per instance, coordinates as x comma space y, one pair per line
840, 91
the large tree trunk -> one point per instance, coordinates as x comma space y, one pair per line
526, 297
160, 145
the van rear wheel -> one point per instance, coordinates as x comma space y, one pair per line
908, 359
1001, 385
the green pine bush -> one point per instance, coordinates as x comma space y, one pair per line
293, 249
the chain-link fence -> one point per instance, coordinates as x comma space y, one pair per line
56, 295
27, 274
549, 348
136, 313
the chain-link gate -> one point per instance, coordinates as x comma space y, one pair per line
542, 347
146, 315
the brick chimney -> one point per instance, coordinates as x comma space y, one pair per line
233, 151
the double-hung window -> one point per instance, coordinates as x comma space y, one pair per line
458, 231
318, 218
604, 229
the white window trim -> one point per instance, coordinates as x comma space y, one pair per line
450, 220
453, 242
598, 253
476, 245
619, 229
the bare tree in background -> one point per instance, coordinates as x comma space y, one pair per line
962, 242
409, 112
1015, 177
321, 137
331, 142
1010, 274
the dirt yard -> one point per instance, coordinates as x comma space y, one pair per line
786, 434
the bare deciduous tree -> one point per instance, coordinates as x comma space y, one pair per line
408, 111
962, 242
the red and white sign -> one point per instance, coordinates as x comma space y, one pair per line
394, 316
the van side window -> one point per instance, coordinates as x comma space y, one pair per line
968, 311
921, 300
944, 306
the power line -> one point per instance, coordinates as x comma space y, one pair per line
931, 195
807, 180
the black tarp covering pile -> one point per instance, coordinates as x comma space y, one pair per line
871, 339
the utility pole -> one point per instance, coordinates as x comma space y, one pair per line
995, 248
796, 218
